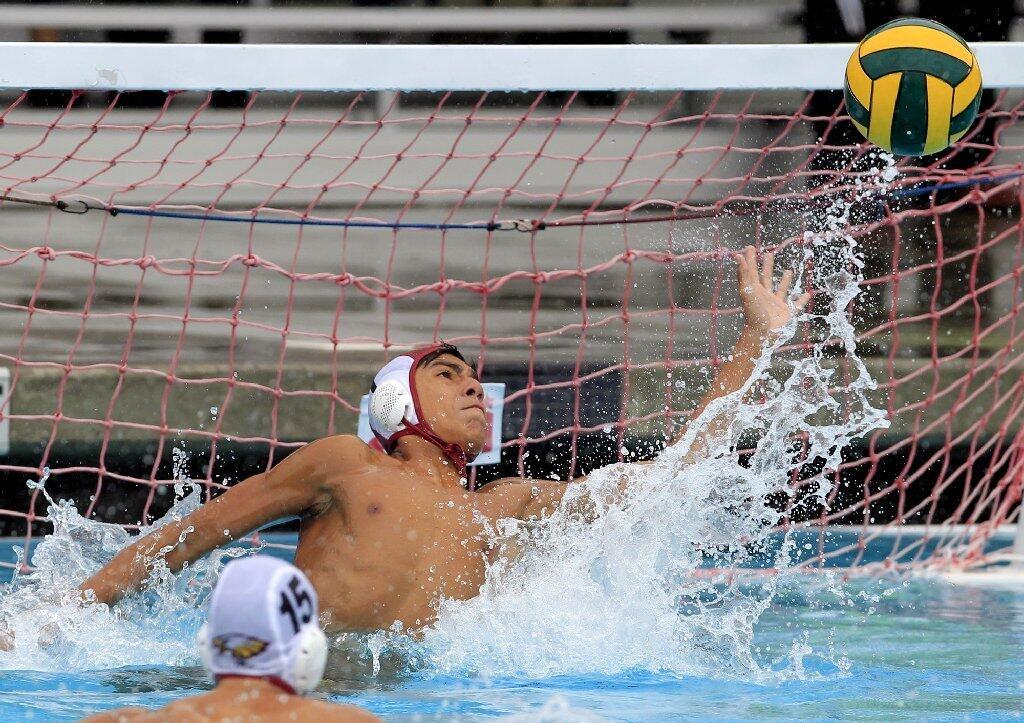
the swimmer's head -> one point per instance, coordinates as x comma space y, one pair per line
432, 393
263, 623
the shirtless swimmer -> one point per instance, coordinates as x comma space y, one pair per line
384, 537
263, 646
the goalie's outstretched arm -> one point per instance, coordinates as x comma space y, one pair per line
766, 309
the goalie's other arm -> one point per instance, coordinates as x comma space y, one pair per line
296, 486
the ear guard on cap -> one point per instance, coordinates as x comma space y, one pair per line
308, 657
205, 654
390, 404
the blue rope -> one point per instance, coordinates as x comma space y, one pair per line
508, 225
524, 225
925, 190
118, 210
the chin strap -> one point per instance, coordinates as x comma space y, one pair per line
455, 454
272, 679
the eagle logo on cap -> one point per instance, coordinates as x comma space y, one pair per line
241, 647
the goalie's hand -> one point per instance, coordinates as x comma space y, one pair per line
766, 308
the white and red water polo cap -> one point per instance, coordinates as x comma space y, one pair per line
395, 406
263, 623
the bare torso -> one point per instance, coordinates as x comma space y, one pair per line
390, 544
383, 539
242, 700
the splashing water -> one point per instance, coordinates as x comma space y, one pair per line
622, 591
54, 630
556, 710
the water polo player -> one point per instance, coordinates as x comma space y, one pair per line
263, 646
385, 537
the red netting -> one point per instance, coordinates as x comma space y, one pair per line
129, 335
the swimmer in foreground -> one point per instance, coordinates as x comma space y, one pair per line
264, 647
383, 538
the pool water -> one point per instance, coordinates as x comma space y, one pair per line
605, 616
887, 649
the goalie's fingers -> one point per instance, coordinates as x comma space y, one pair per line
785, 285
801, 301
768, 271
751, 261
743, 271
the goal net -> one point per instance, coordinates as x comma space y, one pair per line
212, 249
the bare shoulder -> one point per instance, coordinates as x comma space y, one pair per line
507, 486
522, 498
307, 709
337, 713
340, 451
122, 715
338, 462
508, 495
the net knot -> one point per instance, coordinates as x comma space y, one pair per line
145, 262
527, 225
251, 260
45, 252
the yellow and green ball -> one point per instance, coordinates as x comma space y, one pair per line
913, 87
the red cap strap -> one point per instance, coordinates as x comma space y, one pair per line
272, 679
454, 452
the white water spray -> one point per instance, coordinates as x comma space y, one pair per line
624, 591
55, 630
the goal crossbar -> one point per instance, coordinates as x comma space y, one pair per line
133, 66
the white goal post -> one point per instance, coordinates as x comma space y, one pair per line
131, 66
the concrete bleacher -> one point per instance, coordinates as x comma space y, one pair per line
263, 21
